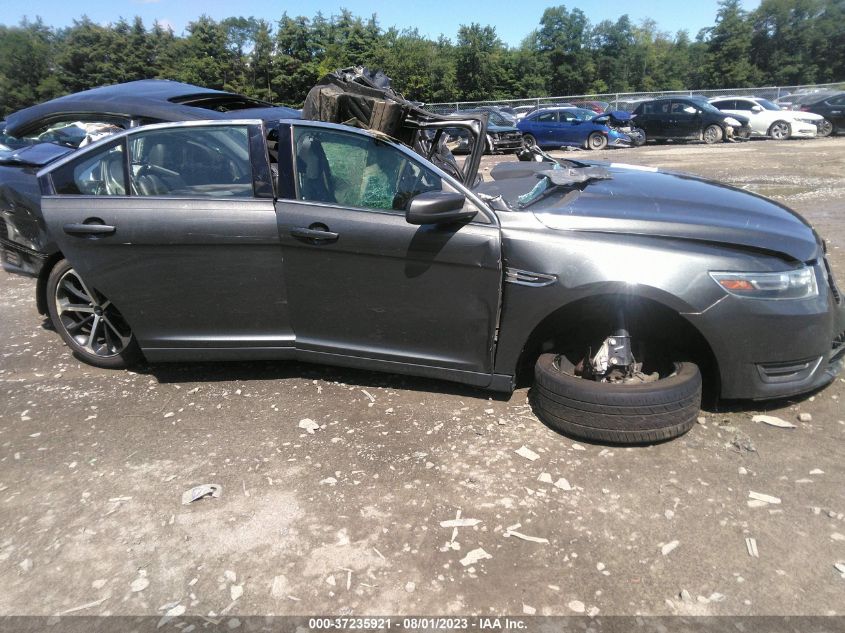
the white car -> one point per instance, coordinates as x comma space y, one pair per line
767, 119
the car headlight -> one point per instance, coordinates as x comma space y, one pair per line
791, 284
732, 122
810, 121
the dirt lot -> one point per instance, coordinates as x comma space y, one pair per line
347, 519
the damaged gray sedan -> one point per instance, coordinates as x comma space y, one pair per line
624, 291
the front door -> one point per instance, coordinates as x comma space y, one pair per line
181, 238
366, 285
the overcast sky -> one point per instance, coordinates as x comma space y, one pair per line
513, 20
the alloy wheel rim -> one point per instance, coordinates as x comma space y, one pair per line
779, 131
89, 318
710, 135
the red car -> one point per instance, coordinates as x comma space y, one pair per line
599, 107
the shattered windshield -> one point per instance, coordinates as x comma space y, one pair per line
705, 105
495, 117
73, 134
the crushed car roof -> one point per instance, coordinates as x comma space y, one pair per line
160, 99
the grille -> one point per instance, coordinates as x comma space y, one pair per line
792, 371
4, 230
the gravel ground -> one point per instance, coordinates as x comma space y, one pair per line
347, 518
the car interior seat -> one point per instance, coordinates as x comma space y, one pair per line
113, 175
315, 180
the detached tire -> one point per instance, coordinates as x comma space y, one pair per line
624, 414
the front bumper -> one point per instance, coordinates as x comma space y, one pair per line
803, 130
507, 142
742, 133
774, 349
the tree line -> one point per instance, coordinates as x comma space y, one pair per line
782, 42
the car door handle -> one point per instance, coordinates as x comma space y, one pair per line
85, 229
314, 235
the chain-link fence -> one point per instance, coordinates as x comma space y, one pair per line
629, 100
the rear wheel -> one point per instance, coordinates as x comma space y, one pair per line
627, 413
824, 127
596, 141
712, 134
88, 322
780, 130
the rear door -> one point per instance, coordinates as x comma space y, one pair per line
548, 128
364, 284
836, 113
175, 225
653, 118
684, 119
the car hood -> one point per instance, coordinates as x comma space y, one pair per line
620, 115
37, 155
643, 201
743, 120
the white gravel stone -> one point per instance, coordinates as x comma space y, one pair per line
577, 606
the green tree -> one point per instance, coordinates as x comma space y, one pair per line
478, 64
563, 41
261, 61
727, 61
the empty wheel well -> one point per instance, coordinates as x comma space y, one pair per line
586, 323
41, 283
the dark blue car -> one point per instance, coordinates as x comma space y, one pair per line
577, 127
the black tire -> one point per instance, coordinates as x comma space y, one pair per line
780, 130
596, 141
825, 128
529, 141
115, 348
712, 134
620, 414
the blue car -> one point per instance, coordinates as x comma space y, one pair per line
577, 127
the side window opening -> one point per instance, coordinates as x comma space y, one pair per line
99, 175
191, 162
357, 171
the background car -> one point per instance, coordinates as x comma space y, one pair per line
596, 106
521, 111
767, 119
575, 127
832, 108
795, 100
688, 118
628, 105
502, 134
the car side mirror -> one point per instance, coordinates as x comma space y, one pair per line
438, 207
756, 108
